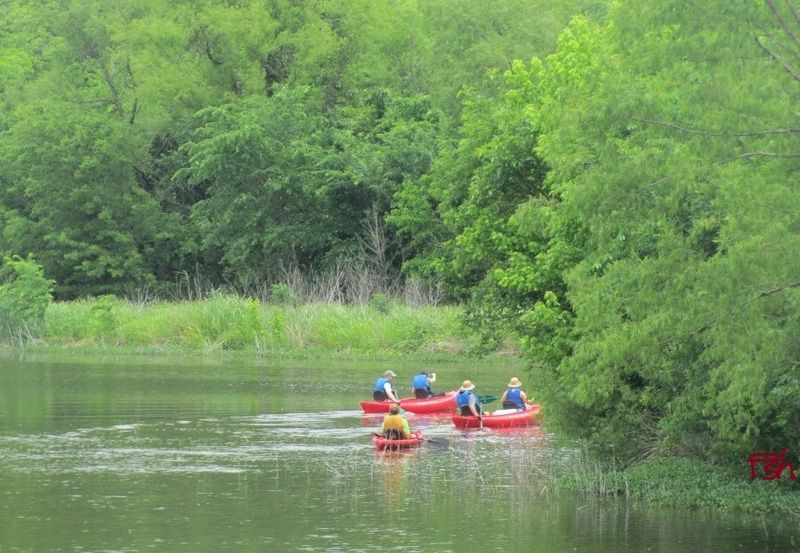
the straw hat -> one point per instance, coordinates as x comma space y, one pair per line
468, 385
515, 383
388, 374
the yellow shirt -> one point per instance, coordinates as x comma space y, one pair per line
395, 422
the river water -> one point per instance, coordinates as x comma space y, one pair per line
137, 454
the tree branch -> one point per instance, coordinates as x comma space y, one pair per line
656, 183
716, 133
755, 154
788, 30
777, 58
777, 289
134, 111
765, 154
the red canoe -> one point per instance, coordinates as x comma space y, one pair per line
386, 444
504, 418
435, 404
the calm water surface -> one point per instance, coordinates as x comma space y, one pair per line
102, 454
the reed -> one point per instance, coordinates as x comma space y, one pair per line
678, 481
232, 322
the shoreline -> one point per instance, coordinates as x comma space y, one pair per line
685, 483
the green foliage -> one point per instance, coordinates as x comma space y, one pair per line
625, 206
308, 111
75, 203
249, 330
281, 294
277, 329
681, 338
380, 303
471, 219
258, 159
106, 315
25, 293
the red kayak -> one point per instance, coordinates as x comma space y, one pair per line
435, 404
504, 418
387, 444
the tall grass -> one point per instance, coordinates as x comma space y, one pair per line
231, 322
678, 481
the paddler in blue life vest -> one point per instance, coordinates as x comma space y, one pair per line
384, 388
514, 397
395, 425
467, 402
421, 384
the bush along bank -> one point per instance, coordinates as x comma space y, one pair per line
688, 483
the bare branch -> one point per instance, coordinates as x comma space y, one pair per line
134, 111
790, 50
777, 58
794, 13
656, 183
717, 133
206, 42
210, 55
97, 101
777, 289
756, 154
108, 77
765, 154
784, 25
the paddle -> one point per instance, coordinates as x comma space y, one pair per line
484, 400
441, 442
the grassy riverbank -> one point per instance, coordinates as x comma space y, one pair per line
232, 323
685, 483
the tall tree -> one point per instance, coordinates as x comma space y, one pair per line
675, 155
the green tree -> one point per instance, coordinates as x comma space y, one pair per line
469, 221
72, 200
259, 160
25, 294
677, 165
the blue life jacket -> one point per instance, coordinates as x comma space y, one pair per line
462, 398
515, 395
380, 382
420, 382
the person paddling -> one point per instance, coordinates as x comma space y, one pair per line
395, 425
467, 402
514, 397
421, 384
384, 388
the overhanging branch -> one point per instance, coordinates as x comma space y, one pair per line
777, 58
777, 289
716, 133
